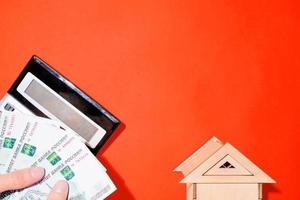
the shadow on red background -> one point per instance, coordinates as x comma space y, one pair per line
122, 189
269, 189
112, 138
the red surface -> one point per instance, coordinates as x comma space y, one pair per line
176, 73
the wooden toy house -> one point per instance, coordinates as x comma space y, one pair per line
218, 171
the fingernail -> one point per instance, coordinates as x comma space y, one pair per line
37, 173
61, 187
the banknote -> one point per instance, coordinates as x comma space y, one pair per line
28, 141
8, 137
18, 129
36, 142
14, 128
70, 160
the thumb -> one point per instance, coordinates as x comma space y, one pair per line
59, 191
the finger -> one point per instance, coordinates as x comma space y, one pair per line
59, 191
21, 178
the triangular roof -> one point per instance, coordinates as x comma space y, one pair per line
199, 156
225, 165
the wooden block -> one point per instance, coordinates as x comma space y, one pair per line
260, 193
190, 191
221, 172
228, 166
227, 191
198, 157
197, 176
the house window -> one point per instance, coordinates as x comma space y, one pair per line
227, 165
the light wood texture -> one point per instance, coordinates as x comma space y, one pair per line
221, 172
197, 176
227, 192
260, 188
198, 157
190, 191
234, 168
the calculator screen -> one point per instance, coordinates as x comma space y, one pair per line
61, 109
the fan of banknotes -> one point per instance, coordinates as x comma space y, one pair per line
30, 141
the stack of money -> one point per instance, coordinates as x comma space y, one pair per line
30, 141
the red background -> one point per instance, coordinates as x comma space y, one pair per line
176, 73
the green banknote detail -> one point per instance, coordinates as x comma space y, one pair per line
9, 143
28, 149
53, 158
67, 173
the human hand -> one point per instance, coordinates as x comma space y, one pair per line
26, 177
